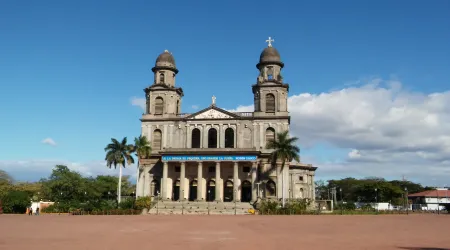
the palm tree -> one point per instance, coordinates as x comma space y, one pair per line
284, 150
143, 150
119, 153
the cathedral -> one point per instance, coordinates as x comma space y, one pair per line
214, 154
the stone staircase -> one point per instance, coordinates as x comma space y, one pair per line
201, 207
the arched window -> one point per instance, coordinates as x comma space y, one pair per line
270, 73
212, 138
301, 194
271, 188
159, 106
161, 78
195, 142
270, 135
270, 103
178, 107
157, 139
229, 138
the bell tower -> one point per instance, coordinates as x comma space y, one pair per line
162, 97
270, 93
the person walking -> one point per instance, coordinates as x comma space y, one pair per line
30, 211
37, 211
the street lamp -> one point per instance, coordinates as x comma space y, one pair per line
182, 202
376, 198
209, 198
157, 201
342, 204
235, 192
406, 196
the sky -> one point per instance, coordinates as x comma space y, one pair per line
369, 80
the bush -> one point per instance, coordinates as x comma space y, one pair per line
127, 203
143, 202
16, 202
346, 206
298, 206
269, 206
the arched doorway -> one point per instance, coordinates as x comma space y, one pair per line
271, 188
154, 187
246, 193
228, 191
211, 190
176, 190
193, 190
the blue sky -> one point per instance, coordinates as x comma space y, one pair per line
69, 70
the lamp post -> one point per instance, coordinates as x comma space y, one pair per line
157, 201
209, 198
235, 191
182, 202
342, 203
376, 198
406, 196
438, 203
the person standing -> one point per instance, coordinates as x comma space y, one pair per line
37, 211
30, 211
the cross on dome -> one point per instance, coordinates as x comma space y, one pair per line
269, 41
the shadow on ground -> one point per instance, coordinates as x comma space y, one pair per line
424, 248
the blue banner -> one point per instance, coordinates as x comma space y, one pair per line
209, 158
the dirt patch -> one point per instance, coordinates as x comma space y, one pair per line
224, 232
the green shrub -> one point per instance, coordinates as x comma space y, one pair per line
16, 202
269, 206
143, 202
127, 203
346, 206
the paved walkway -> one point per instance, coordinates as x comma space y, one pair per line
224, 232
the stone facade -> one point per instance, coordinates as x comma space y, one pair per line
215, 154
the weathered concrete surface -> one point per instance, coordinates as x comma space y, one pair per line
224, 232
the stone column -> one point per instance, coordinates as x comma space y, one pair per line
262, 136
164, 181
235, 181
188, 136
254, 188
164, 137
217, 181
278, 186
199, 180
221, 137
182, 180
144, 182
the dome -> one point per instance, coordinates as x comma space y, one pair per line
165, 59
270, 55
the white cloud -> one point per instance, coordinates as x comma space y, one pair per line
194, 107
49, 141
387, 130
242, 108
137, 101
33, 170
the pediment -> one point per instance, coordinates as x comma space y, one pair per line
212, 113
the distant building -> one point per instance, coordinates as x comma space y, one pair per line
431, 199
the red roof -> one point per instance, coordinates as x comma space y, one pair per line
432, 193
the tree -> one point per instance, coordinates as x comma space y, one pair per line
284, 150
16, 202
143, 150
64, 185
119, 153
6, 183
